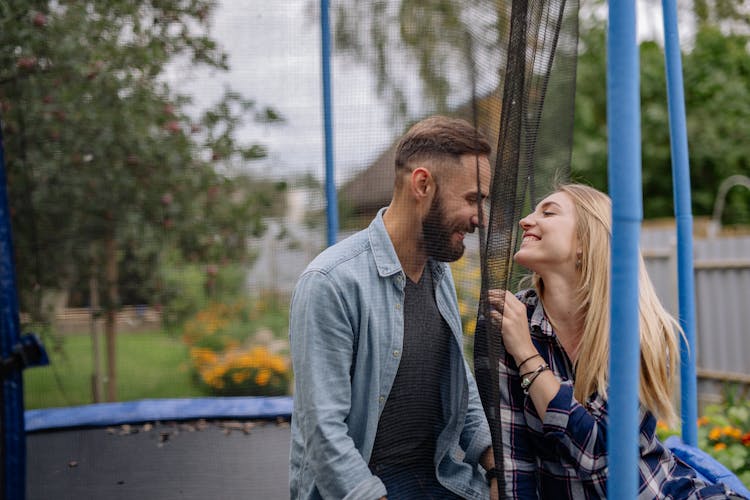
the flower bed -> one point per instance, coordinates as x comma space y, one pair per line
239, 348
724, 433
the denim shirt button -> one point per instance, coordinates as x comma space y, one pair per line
396, 353
381, 399
398, 307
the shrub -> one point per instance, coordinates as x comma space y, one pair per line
240, 348
241, 371
723, 433
466, 275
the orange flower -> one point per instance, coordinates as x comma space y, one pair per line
732, 432
240, 376
720, 446
746, 439
715, 433
702, 421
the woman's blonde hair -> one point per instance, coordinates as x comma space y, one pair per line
658, 329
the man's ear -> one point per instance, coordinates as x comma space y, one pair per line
422, 183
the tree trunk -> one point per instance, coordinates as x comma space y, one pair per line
110, 326
95, 307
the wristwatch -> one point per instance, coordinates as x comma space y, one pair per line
491, 474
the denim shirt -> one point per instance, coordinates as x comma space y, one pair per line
346, 334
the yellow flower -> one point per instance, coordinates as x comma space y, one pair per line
463, 308
470, 326
263, 377
203, 356
720, 446
277, 364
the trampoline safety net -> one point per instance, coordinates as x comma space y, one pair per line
165, 171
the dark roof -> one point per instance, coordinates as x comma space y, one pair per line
372, 188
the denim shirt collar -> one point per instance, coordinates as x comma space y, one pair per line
386, 259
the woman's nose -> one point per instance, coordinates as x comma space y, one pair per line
525, 222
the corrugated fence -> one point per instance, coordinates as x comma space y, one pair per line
722, 298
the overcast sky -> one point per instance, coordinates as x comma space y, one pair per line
274, 50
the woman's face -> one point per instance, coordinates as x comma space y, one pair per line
549, 236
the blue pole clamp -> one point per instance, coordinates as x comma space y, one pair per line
27, 353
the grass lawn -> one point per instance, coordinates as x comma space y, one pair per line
149, 365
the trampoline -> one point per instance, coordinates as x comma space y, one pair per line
238, 447
160, 449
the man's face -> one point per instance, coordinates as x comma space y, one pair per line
454, 210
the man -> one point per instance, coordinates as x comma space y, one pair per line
384, 402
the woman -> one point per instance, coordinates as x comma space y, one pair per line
553, 380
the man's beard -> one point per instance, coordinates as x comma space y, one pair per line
437, 234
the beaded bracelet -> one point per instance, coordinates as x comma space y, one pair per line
529, 378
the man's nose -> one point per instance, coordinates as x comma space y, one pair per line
475, 222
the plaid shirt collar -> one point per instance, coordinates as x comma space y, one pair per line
538, 322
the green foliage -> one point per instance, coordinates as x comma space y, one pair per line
185, 288
718, 103
724, 432
183, 293
716, 76
432, 34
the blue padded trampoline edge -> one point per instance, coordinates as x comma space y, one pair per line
707, 467
147, 410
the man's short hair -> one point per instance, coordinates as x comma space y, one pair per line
441, 140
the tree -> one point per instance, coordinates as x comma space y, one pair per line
442, 40
717, 93
101, 153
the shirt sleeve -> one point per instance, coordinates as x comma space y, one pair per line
519, 459
322, 345
580, 436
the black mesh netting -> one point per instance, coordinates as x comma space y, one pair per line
166, 171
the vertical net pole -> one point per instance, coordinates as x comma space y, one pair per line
624, 174
13, 441
332, 203
684, 219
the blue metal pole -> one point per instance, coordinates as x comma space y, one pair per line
624, 174
332, 215
684, 218
13, 432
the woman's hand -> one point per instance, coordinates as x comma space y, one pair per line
515, 324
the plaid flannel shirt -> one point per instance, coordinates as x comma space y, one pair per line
565, 455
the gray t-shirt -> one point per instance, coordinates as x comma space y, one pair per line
413, 414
